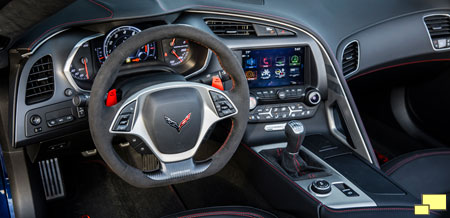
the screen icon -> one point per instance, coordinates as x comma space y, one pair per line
250, 63
251, 75
265, 74
280, 73
295, 60
294, 72
280, 61
266, 62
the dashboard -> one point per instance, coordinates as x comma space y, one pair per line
290, 69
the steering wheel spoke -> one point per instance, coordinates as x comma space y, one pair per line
171, 116
178, 169
135, 118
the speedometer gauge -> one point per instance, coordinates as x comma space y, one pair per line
121, 34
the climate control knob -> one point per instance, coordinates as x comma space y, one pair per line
313, 97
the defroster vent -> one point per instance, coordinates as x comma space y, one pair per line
40, 83
350, 58
231, 28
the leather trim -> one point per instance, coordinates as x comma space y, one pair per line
224, 211
412, 158
396, 65
220, 213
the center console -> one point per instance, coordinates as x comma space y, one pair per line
291, 142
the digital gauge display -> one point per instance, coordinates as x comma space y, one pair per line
118, 36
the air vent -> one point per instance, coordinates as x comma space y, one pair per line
439, 29
231, 28
40, 83
350, 58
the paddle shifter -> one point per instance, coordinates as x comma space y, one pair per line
290, 159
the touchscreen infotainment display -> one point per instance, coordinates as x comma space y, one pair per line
274, 67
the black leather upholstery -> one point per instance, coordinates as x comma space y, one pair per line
422, 172
223, 212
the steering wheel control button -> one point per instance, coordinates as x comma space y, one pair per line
130, 108
223, 106
35, 120
321, 187
123, 123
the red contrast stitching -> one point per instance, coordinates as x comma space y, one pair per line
397, 65
216, 213
405, 161
296, 168
73, 22
297, 163
298, 143
320, 203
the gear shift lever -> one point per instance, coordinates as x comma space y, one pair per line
290, 159
295, 133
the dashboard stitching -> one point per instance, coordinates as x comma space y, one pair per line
396, 65
74, 22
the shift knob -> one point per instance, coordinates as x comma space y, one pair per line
295, 133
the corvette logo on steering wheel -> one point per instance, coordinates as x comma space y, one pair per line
175, 124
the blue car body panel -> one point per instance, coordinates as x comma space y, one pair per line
6, 204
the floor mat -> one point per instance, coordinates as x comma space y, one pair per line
228, 187
95, 191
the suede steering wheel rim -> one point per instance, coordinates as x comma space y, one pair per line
173, 169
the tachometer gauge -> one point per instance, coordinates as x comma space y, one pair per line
120, 35
176, 50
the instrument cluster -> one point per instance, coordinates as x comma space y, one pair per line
179, 54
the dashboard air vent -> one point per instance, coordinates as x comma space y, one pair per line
231, 28
439, 28
40, 83
350, 58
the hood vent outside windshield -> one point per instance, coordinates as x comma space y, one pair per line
439, 29
350, 58
40, 83
231, 28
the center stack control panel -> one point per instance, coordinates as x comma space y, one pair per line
281, 84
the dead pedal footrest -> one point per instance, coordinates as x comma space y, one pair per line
51, 179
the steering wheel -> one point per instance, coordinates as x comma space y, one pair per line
170, 117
